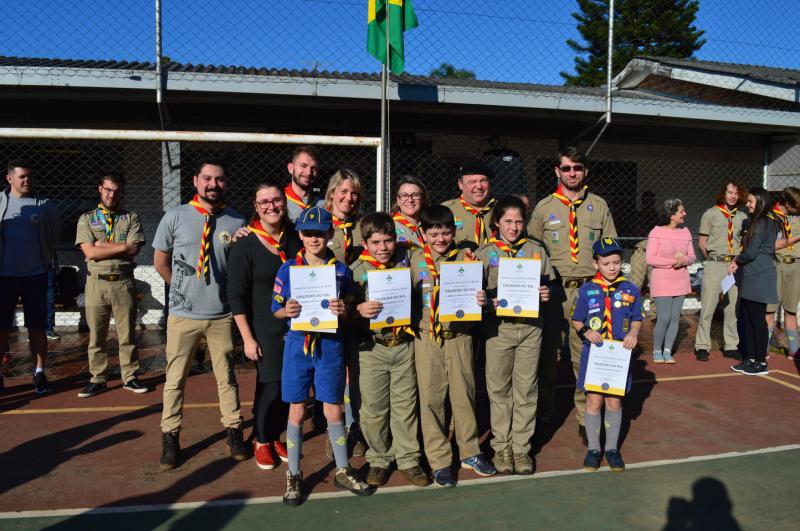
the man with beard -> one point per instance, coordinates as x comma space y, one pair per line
568, 222
191, 255
110, 238
473, 210
301, 192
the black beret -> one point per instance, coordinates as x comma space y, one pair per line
474, 167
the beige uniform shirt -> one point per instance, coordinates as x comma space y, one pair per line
794, 225
490, 255
127, 229
336, 244
361, 294
550, 225
407, 237
465, 223
422, 284
714, 224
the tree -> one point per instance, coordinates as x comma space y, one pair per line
641, 27
450, 71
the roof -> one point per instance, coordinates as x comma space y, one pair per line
785, 76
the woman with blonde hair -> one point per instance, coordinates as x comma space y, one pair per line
343, 200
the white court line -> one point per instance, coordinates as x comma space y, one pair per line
385, 490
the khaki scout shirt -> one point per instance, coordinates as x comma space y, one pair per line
422, 284
336, 244
714, 224
490, 255
550, 225
465, 222
361, 294
794, 225
407, 237
127, 229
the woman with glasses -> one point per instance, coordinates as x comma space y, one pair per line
252, 267
411, 198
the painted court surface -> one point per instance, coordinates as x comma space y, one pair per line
703, 444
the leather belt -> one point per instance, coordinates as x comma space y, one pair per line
515, 320
572, 283
723, 258
787, 259
449, 334
112, 277
393, 342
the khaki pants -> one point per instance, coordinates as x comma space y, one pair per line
441, 371
512, 380
638, 263
788, 287
713, 273
104, 299
389, 420
182, 337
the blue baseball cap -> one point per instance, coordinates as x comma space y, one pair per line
314, 218
606, 246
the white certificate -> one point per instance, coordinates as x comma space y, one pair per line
314, 287
392, 288
607, 368
728, 281
458, 284
518, 286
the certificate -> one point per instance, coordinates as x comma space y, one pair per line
313, 287
392, 288
607, 368
518, 287
728, 281
458, 284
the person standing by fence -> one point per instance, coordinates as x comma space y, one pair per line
787, 261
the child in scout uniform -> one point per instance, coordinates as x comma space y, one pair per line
443, 356
608, 307
316, 358
512, 343
787, 257
388, 379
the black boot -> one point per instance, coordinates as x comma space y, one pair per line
170, 450
236, 444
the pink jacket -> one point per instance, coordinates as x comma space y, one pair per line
662, 245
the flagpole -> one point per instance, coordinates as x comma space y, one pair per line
387, 173
379, 183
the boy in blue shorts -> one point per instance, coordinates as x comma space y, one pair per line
608, 307
316, 358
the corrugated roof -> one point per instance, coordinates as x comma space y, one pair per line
784, 76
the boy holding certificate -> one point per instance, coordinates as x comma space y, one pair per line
316, 357
443, 355
513, 334
609, 307
385, 342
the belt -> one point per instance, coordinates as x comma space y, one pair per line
515, 320
571, 283
787, 259
393, 342
723, 258
113, 277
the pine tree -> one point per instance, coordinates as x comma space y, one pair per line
641, 27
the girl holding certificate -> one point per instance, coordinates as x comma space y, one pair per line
512, 342
409, 201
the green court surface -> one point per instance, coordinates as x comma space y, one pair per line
745, 491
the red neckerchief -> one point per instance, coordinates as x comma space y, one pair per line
573, 218
608, 289
480, 226
729, 214
258, 228
203, 270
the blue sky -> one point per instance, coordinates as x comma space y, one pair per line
522, 41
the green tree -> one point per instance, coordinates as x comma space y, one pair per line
641, 27
448, 70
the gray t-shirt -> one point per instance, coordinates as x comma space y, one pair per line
179, 233
293, 210
22, 252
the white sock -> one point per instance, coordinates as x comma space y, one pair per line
38, 370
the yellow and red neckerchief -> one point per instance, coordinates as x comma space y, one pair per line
729, 214
258, 228
479, 213
787, 227
108, 219
404, 221
435, 330
608, 289
203, 270
292, 196
512, 249
573, 218
347, 234
310, 341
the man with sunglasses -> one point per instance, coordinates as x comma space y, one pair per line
568, 222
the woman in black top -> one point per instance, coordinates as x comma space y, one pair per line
757, 279
252, 266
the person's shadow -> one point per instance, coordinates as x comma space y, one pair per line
709, 509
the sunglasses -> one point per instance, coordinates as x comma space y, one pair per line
577, 167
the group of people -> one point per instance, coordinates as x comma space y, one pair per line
379, 388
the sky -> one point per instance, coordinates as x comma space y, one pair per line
502, 40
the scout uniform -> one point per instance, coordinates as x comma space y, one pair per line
512, 353
110, 290
787, 262
568, 230
295, 204
472, 223
723, 228
443, 358
409, 233
346, 238
388, 380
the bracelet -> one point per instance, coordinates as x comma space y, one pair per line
583, 331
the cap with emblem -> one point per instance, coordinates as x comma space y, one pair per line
314, 218
606, 246
474, 167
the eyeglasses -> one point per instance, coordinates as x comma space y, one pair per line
111, 190
406, 197
576, 167
267, 203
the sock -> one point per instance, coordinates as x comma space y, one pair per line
593, 430
613, 423
38, 370
339, 444
769, 335
656, 352
294, 441
667, 353
348, 407
792, 335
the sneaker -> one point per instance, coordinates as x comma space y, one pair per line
91, 389
740, 367
702, 354
479, 465
263, 456
443, 478
280, 450
51, 335
41, 384
756, 369
658, 357
614, 460
170, 450
794, 355
592, 460
504, 461
236, 444
377, 476
583, 436
294, 489
136, 386
732, 354
347, 479
523, 464
416, 476
668, 357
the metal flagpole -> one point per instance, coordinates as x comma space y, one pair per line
387, 174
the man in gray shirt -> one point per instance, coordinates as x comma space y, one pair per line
302, 192
29, 230
191, 255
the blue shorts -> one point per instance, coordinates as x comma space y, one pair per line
32, 290
325, 368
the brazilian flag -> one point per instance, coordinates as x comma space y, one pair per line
401, 17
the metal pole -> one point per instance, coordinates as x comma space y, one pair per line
387, 161
379, 181
159, 83
609, 67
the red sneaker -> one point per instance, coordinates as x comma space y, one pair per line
263, 454
280, 449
